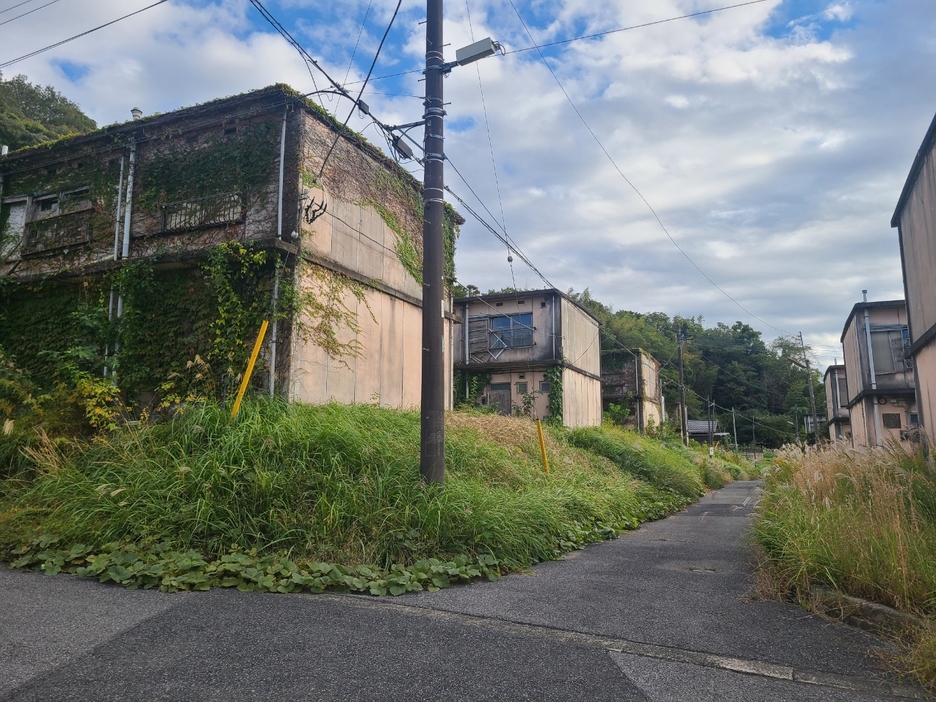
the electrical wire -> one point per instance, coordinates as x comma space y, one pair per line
28, 13
78, 36
361, 91
13, 7
634, 26
600, 34
627, 180
360, 34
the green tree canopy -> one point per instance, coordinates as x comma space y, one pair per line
31, 114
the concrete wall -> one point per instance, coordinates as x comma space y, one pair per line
533, 379
344, 237
917, 229
581, 399
925, 361
581, 346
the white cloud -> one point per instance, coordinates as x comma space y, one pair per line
773, 150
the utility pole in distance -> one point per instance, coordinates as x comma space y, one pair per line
432, 407
683, 428
812, 393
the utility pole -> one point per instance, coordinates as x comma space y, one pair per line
812, 394
708, 415
734, 426
683, 415
432, 407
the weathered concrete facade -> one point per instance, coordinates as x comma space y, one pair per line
879, 375
346, 231
915, 219
836, 390
525, 342
635, 384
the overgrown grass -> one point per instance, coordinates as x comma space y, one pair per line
863, 522
333, 484
664, 465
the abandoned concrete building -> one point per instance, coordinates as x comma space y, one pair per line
172, 237
535, 353
631, 379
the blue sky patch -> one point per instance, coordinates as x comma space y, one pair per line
75, 72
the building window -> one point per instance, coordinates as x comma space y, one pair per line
545, 386
521, 388
891, 420
914, 419
889, 349
842, 392
511, 331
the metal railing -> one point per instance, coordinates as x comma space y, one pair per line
208, 211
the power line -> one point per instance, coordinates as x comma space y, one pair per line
13, 7
626, 180
598, 34
27, 13
360, 34
78, 36
634, 26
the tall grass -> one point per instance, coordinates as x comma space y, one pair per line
665, 466
332, 483
861, 521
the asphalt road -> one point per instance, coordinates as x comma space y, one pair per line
663, 613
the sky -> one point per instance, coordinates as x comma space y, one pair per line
741, 165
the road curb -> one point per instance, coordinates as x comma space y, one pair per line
862, 614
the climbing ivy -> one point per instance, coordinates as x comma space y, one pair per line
469, 386
554, 376
221, 163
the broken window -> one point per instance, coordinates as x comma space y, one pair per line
511, 331
889, 349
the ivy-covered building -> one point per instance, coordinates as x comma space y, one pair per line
535, 353
153, 250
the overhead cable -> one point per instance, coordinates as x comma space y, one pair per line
627, 180
36, 9
78, 36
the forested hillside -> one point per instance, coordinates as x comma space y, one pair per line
31, 114
732, 365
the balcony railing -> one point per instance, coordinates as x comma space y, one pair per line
209, 211
58, 232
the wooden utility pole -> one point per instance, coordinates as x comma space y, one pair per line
683, 415
812, 393
432, 405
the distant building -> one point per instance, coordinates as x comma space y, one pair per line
879, 374
915, 219
701, 430
632, 379
537, 352
836, 390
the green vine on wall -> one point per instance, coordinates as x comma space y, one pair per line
554, 376
238, 163
469, 386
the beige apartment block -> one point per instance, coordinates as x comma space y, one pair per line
879, 375
513, 348
339, 222
915, 219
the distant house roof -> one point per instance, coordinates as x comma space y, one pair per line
700, 426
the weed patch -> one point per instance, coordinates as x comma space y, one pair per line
314, 497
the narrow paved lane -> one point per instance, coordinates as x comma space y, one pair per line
659, 614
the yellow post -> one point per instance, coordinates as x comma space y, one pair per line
539, 430
250, 367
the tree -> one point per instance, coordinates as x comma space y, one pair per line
32, 114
